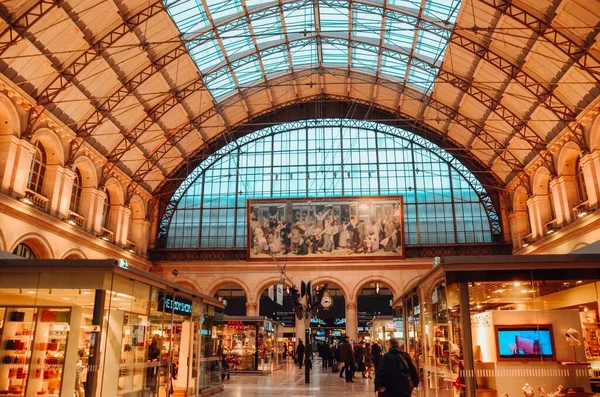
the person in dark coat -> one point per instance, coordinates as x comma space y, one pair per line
325, 354
300, 350
376, 351
395, 372
347, 357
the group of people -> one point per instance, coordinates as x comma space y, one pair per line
323, 233
395, 373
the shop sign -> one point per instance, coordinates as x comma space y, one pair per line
340, 321
235, 324
390, 326
92, 328
178, 305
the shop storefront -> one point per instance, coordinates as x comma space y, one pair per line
249, 344
99, 328
382, 329
505, 325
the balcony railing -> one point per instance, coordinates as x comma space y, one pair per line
107, 235
76, 219
36, 199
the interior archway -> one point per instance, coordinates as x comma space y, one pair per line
234, 298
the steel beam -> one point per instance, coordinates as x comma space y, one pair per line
17, 29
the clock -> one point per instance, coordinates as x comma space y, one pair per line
326, 301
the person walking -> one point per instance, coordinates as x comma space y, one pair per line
325, 354
397, 374
368, 360
376, 351
347, 357
300, 350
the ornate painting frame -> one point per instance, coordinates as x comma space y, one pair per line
336, 228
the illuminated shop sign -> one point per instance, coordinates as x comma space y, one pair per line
178, 305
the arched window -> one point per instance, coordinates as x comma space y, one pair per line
38, 170
24, 251
106, 210
444, 202
581, 188
76, 192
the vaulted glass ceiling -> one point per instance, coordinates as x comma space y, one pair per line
243, 43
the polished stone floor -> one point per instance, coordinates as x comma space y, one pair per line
289, 382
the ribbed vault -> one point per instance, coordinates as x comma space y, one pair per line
503, 79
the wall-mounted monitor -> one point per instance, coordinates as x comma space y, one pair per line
525, 342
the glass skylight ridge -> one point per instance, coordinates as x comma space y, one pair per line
230, 37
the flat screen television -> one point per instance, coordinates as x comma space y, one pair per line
525, 342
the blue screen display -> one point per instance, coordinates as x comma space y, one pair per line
525, 342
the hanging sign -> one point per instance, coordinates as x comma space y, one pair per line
280, 294
272, 292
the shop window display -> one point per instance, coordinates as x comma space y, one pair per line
493, 331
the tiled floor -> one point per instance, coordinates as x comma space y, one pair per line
289, 382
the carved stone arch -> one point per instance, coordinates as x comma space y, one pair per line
541, 182
10, 123
55, 153
74, 253
115, 189
212, 290
579, 245
594, 134
519, 200
138, 207
338, 283
38, 244
566, 160
375, 279
187, 283
88, 171
265, 284
412, 283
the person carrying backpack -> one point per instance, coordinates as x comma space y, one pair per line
397, 374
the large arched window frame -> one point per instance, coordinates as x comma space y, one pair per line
37, 172
24, 251
76, 192
444, 202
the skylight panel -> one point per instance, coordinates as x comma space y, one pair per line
410, 4
254, 3
220, 83
364, 59
299, 19
304, 53
443, 10
421, 78
248, 73
333, 17
430, 44
267, 28
392, 68
276, 61
236, 40
222, 8
207, 53
367, 22
188, 15
398, 33
334, 53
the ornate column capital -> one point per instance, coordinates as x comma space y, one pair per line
351, 306
252, 305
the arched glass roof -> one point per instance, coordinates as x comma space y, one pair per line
444, 203
243, 43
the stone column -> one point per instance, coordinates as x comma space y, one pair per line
87, 206
351, 320
566, 197
251, 309
16, 156
590, 166
519, 228
539, 214
95, 219
139, 235
556, 188
57, 188
119, 222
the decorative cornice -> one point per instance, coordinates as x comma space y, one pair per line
48, 120
412, 252
42, 221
